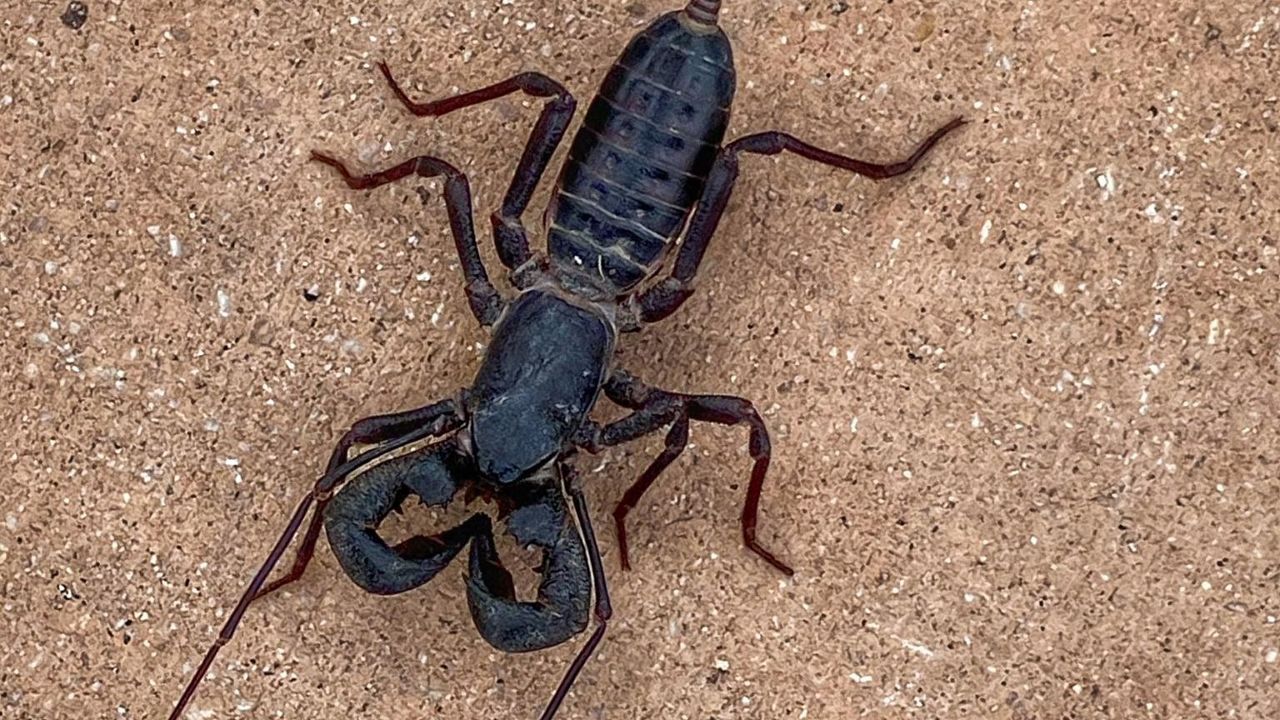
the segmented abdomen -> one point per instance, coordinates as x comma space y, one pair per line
638, 164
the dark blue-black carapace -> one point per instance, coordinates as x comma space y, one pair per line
647, 168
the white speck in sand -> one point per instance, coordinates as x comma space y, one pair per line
1272, 655
853, 424
975, 421
1059, 287
1107, 184
50, 268
175, 246
859, 678
985, 232
917, 648
722, 665
224, 303
1215, 327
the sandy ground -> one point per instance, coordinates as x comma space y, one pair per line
1023, 401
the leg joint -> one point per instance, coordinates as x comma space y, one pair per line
765, 143
540, 85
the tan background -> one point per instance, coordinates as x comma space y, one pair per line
1023, 401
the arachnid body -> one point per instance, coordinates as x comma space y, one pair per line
648, 168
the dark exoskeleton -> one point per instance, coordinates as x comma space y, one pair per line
647, 168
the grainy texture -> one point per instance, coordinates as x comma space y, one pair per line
1023, 400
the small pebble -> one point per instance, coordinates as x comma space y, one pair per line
76, 15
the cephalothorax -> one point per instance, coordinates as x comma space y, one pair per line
647, 170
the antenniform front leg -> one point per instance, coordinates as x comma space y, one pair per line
353, 517
399, 431
440, 416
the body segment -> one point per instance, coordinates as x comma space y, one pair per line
640, 161
540, 378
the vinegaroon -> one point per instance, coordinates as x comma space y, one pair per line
647, 167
